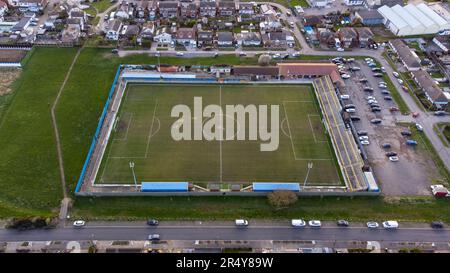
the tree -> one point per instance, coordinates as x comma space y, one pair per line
282, 199
264, 60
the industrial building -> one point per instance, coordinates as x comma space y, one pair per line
412, 20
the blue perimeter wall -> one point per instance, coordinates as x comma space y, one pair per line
269, 187
164, 186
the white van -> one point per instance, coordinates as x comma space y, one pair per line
345, 97
241, 222
298, 223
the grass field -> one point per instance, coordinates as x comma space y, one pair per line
143, 135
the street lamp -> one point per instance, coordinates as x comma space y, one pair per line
310, 165
134, 175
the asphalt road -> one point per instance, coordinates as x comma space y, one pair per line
229, 233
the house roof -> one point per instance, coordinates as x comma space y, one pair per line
115, 25
228, 5
404, 52
369, 14
205, 35
309, 69
225, 36
186, 33
312, 20
255, 70
348, 32
168, 5
251, 36
429, 86
207, 5
364, 33
280, 36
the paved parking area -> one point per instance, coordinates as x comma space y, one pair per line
414, 172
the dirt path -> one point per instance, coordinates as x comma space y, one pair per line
55, 127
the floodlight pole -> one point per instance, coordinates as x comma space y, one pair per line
134, 175
310, 165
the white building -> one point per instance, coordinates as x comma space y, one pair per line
394, 22
319, 3
412, 20
354, 2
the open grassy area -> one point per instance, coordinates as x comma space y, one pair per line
214, 208
101, 5
29, 179
143, 134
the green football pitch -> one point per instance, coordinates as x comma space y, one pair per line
142, 134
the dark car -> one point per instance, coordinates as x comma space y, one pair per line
386, 145
374, 105
363, 80
376, 109
389, 154
377, 75
355, 118
405, 133
152, 222
385, 92
387, 97
439, 113
349, 106
368, 89
375, 121
437, 224
342, 223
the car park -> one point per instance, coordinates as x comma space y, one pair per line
437, 224
152, 222
241, 222
79, 223
298, 223
372, 224
314, 223
390, 224
342, 223
393, 158
153, 237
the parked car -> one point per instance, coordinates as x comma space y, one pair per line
342, 223
363, 80
350, 110
375, 121
345, 97
362, 133
376, 109
389, 154
415, 114
340, 49
345, 76
395, 74
180, 53
152, 222
385, 92
347, 106
355, 68
355, 118
390, 224
405, 88
393, 158
437, 224
377, 75
411, 142
387, 98
419, 127
394, 109
406, 133
314, 223
298, 223
241, 222
153, 237
372, 225
365, 142
363, 138
79, 223
400, 81
386, 145
440, 113
368, 89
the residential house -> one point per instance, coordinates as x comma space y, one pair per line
168, 10
431, 90
205, 38
3, 9
163, 36
368, 17
113, 30
266, 9
348, 37
249, 39
246, 9
188, 10
130, 31
373, 4
141, 9
226, 8
408, 57
123, 12
312, 20
30, 5
443, 42
207, 9
148, 30
225, 39
80, 15
354, 2
365, 36
152, 8
326, 37
186, 37
319, 3
270, 23
23, 23
274, 39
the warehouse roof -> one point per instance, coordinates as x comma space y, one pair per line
433, 15
393, 17
415, 12
408, 18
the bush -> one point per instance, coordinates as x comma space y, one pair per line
282, 199
31, 223
264, 60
